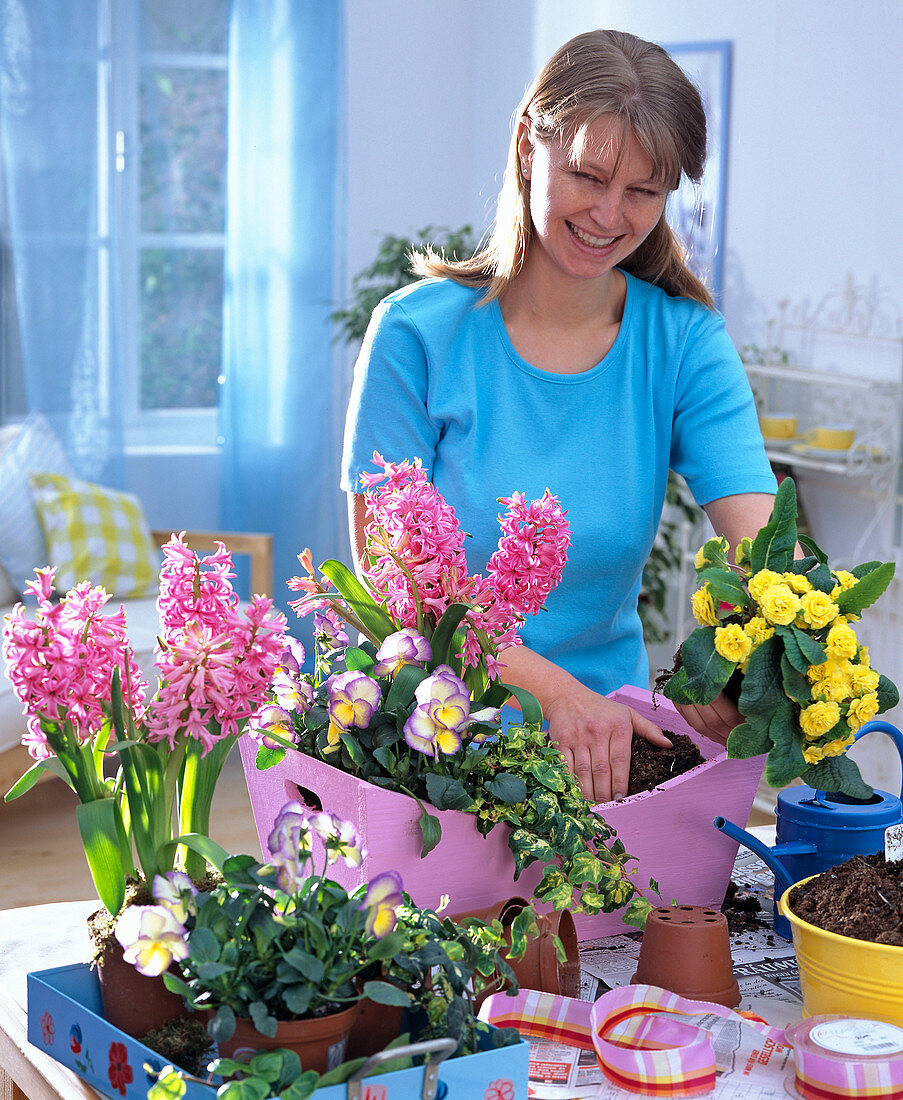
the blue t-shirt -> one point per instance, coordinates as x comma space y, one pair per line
439, 379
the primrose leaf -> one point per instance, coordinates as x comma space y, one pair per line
725, 587
762, 681
785, 761
866, 590
747, 740
705, 671
796, 683
888, 696
838, 773
269, 758
773, 546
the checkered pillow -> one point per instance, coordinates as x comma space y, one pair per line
25, 449
95, 534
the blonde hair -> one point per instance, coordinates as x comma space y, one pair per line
601, 72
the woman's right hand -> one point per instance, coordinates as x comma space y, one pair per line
595, 736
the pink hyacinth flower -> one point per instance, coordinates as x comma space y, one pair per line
404, 647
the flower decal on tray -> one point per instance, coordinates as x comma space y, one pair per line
119, 1071
781, 628
502, 1089
47, 1028
415, 705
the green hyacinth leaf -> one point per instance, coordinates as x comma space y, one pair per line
773, 546
359, 599
444, 641
99, 825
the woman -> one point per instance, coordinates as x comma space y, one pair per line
575, 351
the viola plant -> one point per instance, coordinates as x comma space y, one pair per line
415, 706
86, 702
273, 941
780, 629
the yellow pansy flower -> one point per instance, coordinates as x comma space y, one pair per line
862, 710
732, 643
818, 718
779, 605
817, 609
765, 578
703, 608
841, 641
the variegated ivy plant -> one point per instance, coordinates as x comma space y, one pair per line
780, 628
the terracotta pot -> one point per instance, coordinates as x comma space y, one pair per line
686, 949
373, 1028
131, 1001
319, 1041
539, 968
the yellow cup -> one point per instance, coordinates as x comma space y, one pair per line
843, 976
778, 426
831, 437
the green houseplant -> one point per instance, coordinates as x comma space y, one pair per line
777, 631
414, 707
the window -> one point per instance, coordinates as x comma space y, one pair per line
166, 129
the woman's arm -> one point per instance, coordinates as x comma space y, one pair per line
734, 517
593, 733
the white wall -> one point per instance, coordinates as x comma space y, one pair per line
815, 158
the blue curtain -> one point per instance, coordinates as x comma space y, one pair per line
282, 401
49, 95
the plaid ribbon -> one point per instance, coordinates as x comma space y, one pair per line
636, 1050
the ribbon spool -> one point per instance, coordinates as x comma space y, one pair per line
840, 1057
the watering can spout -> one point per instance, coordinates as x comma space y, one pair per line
772, 861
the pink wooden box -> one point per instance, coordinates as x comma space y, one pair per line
669, 830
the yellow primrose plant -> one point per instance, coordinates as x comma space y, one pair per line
777, 633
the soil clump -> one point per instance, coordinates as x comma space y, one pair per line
862, 898
651, 765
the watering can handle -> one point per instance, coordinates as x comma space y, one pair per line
878, 725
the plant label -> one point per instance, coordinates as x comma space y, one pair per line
893, 843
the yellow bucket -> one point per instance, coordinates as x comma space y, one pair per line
843, 976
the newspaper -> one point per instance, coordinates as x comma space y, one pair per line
747, 1064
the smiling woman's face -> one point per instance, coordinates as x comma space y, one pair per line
591, 213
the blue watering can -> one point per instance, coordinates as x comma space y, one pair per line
817, 830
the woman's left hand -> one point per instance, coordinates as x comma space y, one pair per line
715, 720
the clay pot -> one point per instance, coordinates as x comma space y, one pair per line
686, 949
131, 1001
539, 968
319, 1042
373, 1028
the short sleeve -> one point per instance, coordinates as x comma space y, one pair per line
388, 408
716, 443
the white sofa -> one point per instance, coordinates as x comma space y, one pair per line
143, 622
